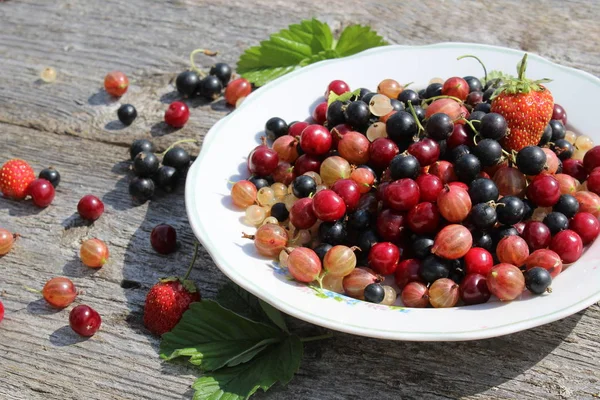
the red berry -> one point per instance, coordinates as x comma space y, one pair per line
383, 257
59, 292
505, 281
424, 218
407, 271
591, 159
84, 320
315, 140
163, 239
1, 311
456, 87
237, 89
401, 195
576, 169
166, 302
296, 128
390, 225
559, 113
116, 83
544, 191
90, 207
452, 242
568, 245
478, 261
426, 151
546, 259
177, 114
454, 203
474, 289
328, 206
430, 186
459, 136
593, 181
15, 177
586, 226
320, 113
263, 161
41, 192
537, 235
302, 215
349, 191
381, 152
338, 87
443, 170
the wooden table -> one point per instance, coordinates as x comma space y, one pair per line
71, 125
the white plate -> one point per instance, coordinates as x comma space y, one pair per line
219, 225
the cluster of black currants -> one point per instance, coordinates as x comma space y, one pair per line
189, 83
149, 173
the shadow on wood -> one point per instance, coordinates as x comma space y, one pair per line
65, 336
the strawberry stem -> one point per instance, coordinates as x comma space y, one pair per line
187, 274
523, 67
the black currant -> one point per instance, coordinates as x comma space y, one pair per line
221, 71
359, 220
457, 271
482, 239
482, 190
397, 105
531, 160
558, 129
259, 182
51, 175
458, 152
275, 128
367, 96
422, 247
420, 113
433, 268
567, 205
467, 168
280, 211
538, 280
474, 84
433, 90
401, 127
556, 222
357, 114
362, 93
408, 95
493, 126
177, 158
187, 83
333, 233
483, 216
563, 149
510, 210
145, 164
483, 107
335, 113
141, 189
529, 209
322, 250
140, 145
475, 120
166, 178
210, 87
439, 126
404, 166
374, 293
488, 151
303, 186
546, 136
366, 240
127, 114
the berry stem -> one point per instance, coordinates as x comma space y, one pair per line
442, 97
327, 335
176, 143
480, 62
414, 114
187, 274
32, 290
470, 123
209, 53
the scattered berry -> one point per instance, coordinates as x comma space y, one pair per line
127, 114
41, 192
163, 239
90, 207
177, 114
51, 175
187, 83
116, 83
166, 302
93, 253
84, 320
15, 177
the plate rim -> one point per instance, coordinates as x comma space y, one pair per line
203, 236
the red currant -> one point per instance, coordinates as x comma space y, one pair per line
383, 258
263, 161
478, 261
459, 136
426, 150
568, 245
315, 140
544, 191
381, 152
537, 235
586, 226
390, 225
163, 239
576, 169
430, 186
41, 192
296, 128
116, 83
348, 190
338, 87
424, 218
474, 289
302, 215
90, 207
407, 271
328, 206
401, 195
84, 320
177, 114
320, 113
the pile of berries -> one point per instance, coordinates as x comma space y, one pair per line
17, 181
149, 173
448, 190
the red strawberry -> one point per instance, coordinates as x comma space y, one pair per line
166, 302
527, 107
15, 177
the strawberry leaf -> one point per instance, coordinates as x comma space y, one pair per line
213, 337
274, 315
240, 301
279, 362
300, 45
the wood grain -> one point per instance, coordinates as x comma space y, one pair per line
71, 124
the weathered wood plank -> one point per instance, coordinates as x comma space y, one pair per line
43, 358
150, 41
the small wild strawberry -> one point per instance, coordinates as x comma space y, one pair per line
15, 177
166, 302
527, 107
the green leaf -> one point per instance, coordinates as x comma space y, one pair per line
274, 315
300, 45
213, 337
356, 38
242, 302
495, 74
279, 362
